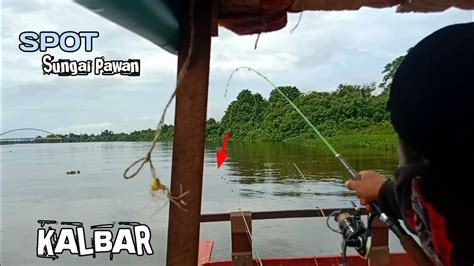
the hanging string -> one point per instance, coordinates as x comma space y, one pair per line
156, 185
297, 23
256, 41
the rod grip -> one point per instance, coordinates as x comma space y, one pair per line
415, 251
354, 174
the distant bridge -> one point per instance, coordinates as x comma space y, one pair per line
50, 137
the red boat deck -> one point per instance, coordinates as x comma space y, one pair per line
241, 251
205, 253
395, 259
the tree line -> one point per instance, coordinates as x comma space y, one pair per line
107, 135
347, 110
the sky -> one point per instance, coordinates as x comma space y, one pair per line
326, 49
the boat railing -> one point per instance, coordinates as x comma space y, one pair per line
241, 227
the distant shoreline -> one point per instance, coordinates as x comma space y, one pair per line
350, 140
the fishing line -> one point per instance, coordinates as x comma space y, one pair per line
305, 118
301, 173
407, 241
339, 157
333, 234
249, 234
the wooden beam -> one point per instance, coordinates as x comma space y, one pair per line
189, 136
215, 18
241, 232
283, 214
379, 255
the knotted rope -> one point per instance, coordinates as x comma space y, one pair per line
156, 183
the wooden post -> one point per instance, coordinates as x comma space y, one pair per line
189, 136
379, 255
241, 231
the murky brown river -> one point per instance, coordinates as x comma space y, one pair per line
256, 176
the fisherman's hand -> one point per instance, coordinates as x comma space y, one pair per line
367, 188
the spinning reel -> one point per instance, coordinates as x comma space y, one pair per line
353, 230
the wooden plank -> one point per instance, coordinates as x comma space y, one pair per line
379, 255
263, 215
215, 18
189, 137
241, 232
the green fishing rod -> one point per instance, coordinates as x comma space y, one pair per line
353, 173
354, 232
355, 235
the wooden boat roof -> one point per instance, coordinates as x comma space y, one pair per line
158, 20
256, 16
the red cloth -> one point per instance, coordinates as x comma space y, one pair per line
429, 225
271, 15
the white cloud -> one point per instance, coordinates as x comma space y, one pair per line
326, 49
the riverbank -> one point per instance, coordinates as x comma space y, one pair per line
378, 137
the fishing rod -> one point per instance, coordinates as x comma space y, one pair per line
354, 232
355, 236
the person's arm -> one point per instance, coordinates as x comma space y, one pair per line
387, 200
374, 187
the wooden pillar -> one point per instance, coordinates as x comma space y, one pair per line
241, 232
189, 136
379, 255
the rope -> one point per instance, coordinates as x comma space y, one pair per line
156, 184
256, 41
297, 23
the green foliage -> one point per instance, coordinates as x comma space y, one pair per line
348, 109
351, 116
107, 136
379, 136
242, 115
389, 73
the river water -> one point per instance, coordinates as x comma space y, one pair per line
255, 177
